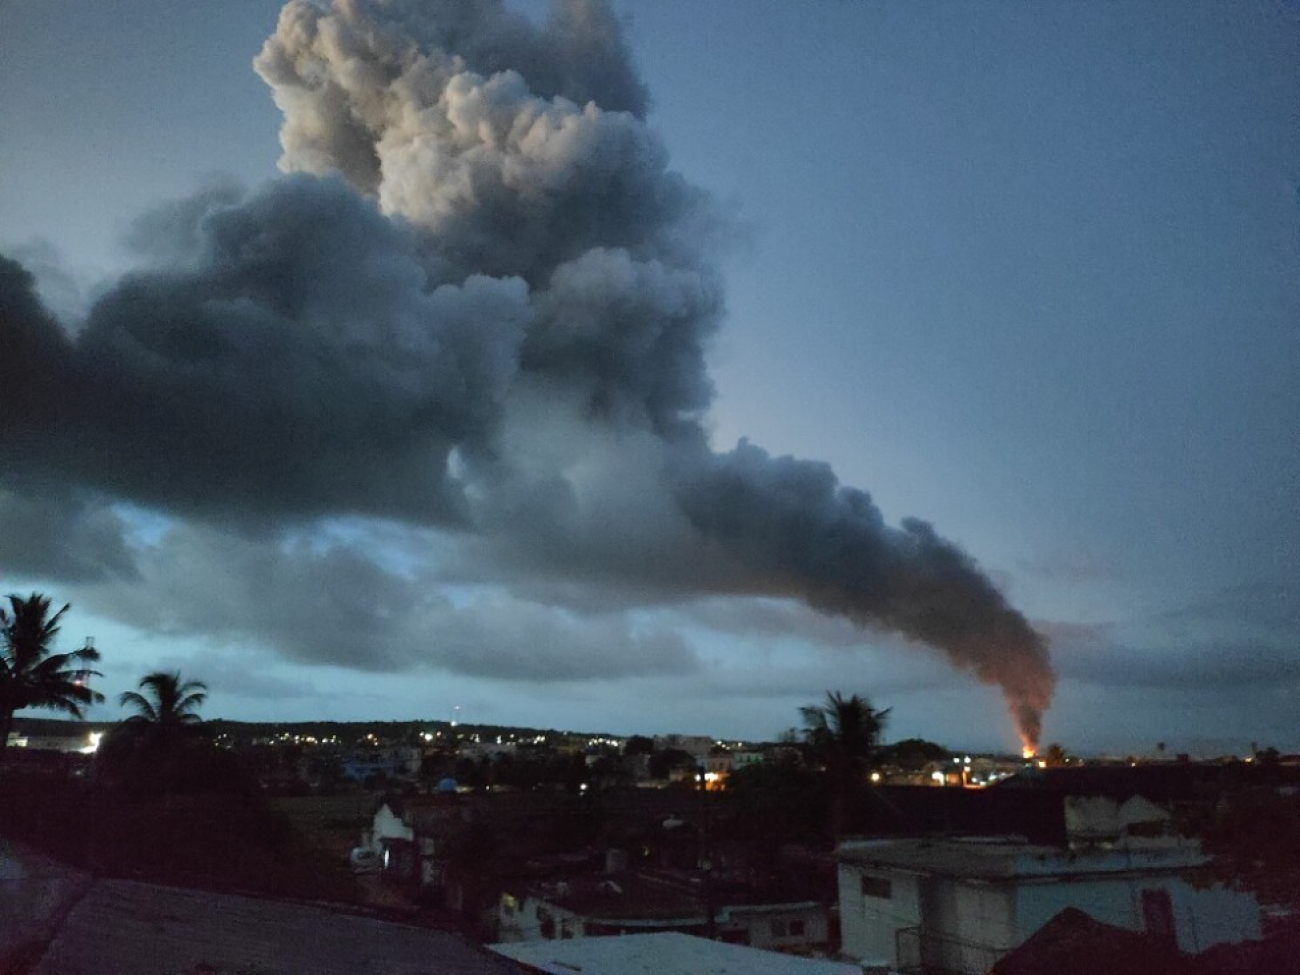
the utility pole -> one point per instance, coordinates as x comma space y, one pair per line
706, 856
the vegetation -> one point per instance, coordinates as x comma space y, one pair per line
1254, 836
639, 745
1055, 755
775, 803
664, 763
911, 754
32, 675
841, 737
163, 749
842, 733
169, 705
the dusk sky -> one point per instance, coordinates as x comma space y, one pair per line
447, 359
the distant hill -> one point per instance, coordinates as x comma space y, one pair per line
346, 732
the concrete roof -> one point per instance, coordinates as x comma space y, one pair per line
34, 893
640, 895
1003, 858
125, 928
662, 954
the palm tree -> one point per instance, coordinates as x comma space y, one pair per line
841, 736
161, 748
168, 706
31, 674
842, 733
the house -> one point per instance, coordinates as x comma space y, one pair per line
958, 905
625, 902
411, 836
664, 953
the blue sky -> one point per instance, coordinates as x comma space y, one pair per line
1028, 272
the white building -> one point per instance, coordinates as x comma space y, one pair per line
630, 903
958, 905
661, 954
410, 836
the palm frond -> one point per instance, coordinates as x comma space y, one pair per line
143, 706
31, 674
166, 700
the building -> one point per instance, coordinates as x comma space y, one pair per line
661, 954
411, 837
84, 743
625, 903
958, 905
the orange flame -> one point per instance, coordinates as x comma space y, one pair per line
1029, 751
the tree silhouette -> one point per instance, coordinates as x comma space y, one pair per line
31, 674
1055, 755
168, 704
841, 736
163, 747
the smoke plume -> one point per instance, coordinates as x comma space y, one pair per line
480, 299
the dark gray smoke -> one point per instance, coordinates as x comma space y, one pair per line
296, 362
482, 301
801, 533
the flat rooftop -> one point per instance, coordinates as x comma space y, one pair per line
996, 858
661, 954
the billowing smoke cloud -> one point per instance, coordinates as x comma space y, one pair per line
481, 300
293, 361
801, 533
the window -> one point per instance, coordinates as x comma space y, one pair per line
782, 928
876, 887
